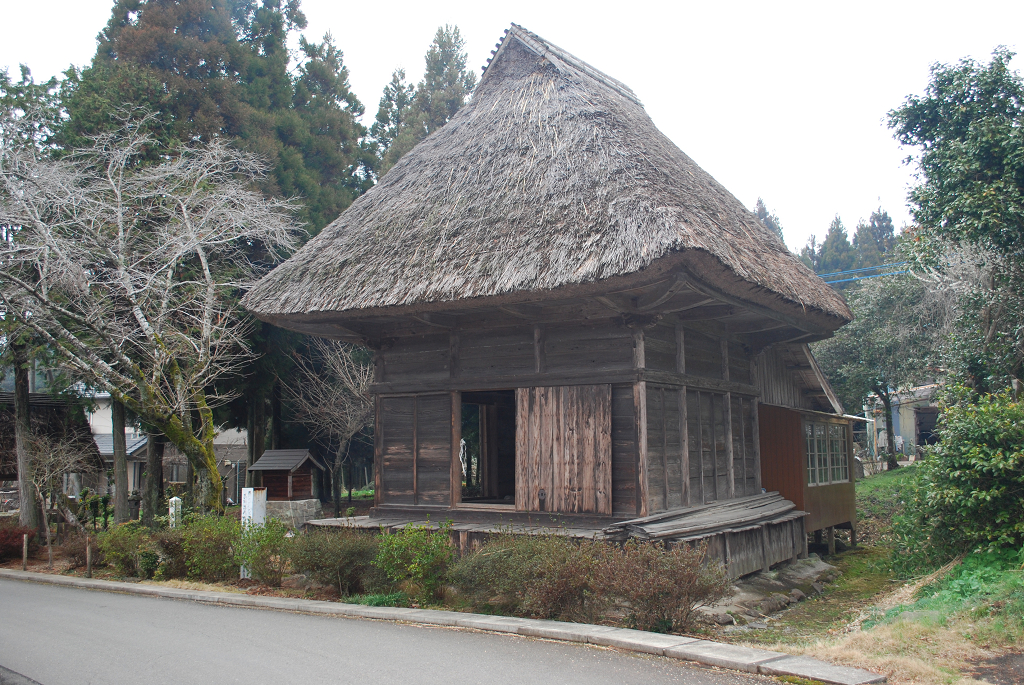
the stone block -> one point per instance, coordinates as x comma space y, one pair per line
295, 513
723, 655
639, 641
812, 669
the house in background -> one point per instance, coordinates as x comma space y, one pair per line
915, 413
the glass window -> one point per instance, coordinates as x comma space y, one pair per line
827, 458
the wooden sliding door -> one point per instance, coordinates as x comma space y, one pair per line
564, 449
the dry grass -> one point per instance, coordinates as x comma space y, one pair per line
907, 652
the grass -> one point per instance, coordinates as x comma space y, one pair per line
964, 613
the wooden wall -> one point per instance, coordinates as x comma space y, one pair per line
784, 469
684, 434
776, 382
415, 449
276, 483
782, 453
564, 449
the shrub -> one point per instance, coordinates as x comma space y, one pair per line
170, 545
122, 544
548, 576
209, 547
262, 549
663, 587
343, 558
11, 541
417, 558
74, 550
972, 486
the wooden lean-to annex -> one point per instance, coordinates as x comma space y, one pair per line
568, 316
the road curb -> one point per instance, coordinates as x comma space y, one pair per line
674, 646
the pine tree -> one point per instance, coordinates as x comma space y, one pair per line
770, 220
445, 87
395, 106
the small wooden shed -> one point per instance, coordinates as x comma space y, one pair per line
289, 474
567, 315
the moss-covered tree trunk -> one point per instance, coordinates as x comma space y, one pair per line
120, 462
154, 478
892, 462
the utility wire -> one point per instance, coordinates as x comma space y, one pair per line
860, 278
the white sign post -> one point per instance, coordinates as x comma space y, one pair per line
174, 512
254, 513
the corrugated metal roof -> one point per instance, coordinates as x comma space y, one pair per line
283, 460
105, 443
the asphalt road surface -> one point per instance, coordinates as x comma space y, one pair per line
68, 636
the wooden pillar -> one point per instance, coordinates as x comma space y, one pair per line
853, 536
453, 354
684, 441
290, 491
831, 540
378, 454
680, 349
756, 441
730, 452
415, 451
640, 413
539, 356
456, 465
664, 449
727, 555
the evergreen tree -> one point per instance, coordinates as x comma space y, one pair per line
445, 87
222, 68
874, 239
835, 253
770, 220
395, 106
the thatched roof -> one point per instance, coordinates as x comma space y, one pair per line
552, 177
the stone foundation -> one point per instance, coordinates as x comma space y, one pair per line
295, 513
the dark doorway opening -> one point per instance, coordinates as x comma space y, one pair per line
488, 450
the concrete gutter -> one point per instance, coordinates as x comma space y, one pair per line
705, 652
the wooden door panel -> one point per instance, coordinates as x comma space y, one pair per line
564, 449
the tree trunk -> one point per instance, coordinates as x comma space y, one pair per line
46, 527
120, 463
890, 435
275, 416
154, 478
22, 435
336, 483
256, 438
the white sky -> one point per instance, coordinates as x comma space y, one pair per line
786, 101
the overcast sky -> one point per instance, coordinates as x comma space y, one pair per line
786, 101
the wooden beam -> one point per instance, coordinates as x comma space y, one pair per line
822, 381
455, 496
639, 356
802, 324
755, 429
705, 313
684, 440
667, 292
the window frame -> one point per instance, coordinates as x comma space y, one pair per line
826, 452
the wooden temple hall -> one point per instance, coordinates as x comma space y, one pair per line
572, 321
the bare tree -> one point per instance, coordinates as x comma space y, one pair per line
52, 459
332, 398
131, 270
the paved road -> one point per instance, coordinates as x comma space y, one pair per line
68, 636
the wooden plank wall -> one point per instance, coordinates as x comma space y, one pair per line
782, 453
415, 445
624, 452
776, 382
564, 448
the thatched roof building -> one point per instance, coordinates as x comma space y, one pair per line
568, 316
553, 180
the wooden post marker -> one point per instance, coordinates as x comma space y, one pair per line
24, 552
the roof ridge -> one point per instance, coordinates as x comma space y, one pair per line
560, 57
